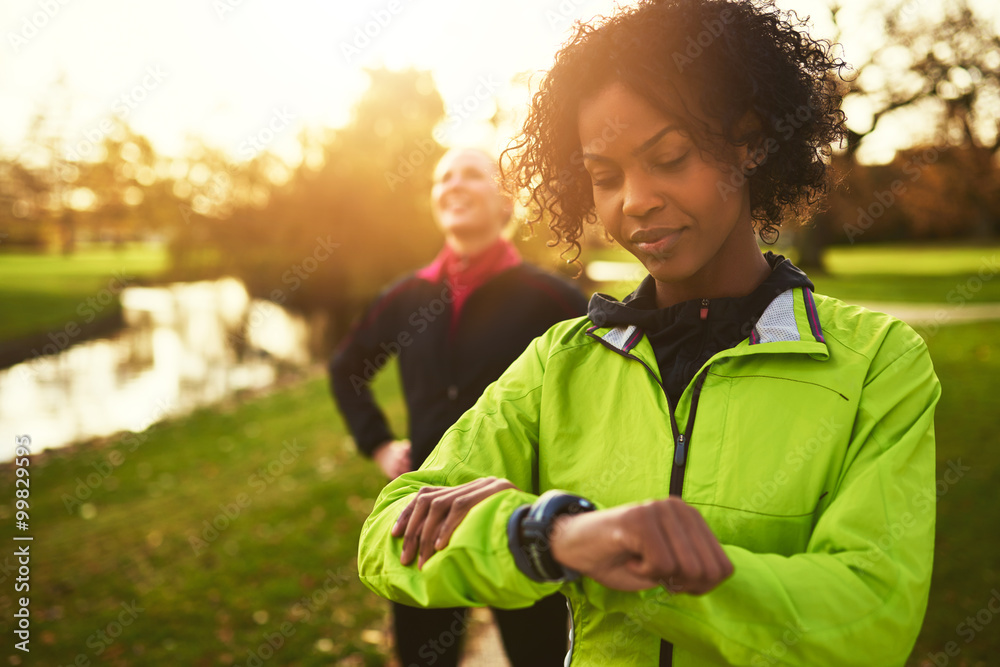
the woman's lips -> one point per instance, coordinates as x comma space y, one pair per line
656, 241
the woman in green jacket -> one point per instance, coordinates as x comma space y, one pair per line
723, 468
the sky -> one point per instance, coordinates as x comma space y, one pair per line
237, 73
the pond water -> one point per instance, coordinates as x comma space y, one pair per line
185, 345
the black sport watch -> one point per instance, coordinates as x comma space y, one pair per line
533, 526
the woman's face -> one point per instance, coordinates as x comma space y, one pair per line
655, 193
465, 198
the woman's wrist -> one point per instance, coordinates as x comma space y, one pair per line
559, 545
381, 447
536, 529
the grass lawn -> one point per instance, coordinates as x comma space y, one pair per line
889, 273
287, 496
967, 555
289, 556
39, 292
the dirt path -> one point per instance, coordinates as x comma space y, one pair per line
483, 648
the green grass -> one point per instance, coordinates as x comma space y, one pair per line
131, 539
967, 554
909, 259
40, 292
896, 273
210, 608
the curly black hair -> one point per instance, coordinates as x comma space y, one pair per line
735, 60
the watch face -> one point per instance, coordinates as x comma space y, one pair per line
582, 505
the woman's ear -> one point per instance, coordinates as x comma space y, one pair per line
750, 149
753, 158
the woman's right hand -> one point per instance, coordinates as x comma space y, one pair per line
393, 457
427, 523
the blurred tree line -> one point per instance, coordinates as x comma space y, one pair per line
937, 77
354, 215
325, 235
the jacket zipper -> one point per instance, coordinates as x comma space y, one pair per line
682, 441
682, 446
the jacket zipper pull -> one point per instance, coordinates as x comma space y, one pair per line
680, 451
704, 309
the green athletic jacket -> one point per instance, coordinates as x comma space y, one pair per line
808, 448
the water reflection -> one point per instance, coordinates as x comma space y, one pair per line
185, 345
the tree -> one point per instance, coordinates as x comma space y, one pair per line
105, 181
353, 216
946, 68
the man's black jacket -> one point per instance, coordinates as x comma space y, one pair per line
444, 369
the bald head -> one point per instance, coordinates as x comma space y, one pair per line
484, 158
466, 199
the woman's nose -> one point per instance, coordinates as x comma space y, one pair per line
639, 196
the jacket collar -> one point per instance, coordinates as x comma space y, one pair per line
471, 270
790, 323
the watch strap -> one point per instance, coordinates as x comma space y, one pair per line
529, 534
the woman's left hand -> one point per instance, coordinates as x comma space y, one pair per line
428, 522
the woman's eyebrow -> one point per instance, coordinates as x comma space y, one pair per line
649, 143
646, 145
